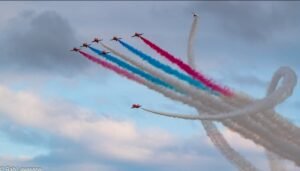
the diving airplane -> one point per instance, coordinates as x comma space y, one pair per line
135, 106
195, 15
116, 38
85, 45
96, 40
75, 49
137, 34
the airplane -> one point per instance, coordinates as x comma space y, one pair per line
96, 40
116, 38
137, 35
195, 15
104, 52
135, 106
85, 45
75, 49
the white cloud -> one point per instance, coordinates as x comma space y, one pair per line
120, 140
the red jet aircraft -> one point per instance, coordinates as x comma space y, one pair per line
135, 106
116, 38
96, 40
75, 49
137, 35
85, 45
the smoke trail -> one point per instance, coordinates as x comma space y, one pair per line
190, 50
111, 67
132, 69
195, 74
213, 133
190, 47
271, 139
270, 119
164, 67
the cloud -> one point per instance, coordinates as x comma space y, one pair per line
40, 42
249, 34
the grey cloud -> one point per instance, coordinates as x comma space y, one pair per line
253, 21
40, 42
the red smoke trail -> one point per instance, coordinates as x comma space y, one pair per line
112, 67
198, 76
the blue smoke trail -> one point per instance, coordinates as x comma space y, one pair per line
166, 68
133, 69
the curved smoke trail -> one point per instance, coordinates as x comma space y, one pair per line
291, 152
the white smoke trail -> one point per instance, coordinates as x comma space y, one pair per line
213, 133
192, 63
191, 40
270, 118
287, 129
291, 153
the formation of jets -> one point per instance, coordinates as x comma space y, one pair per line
97, 40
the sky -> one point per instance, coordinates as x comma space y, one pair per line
61, 112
